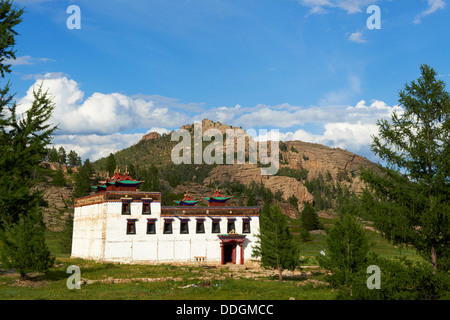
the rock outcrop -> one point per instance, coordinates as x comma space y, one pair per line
151, 136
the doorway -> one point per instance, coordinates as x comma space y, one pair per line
229, 253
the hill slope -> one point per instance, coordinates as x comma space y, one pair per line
310, 172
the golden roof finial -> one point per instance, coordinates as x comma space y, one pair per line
126, 169
117, 169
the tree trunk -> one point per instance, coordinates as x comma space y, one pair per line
280, 274
434, 259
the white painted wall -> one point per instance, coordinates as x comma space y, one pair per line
99, 233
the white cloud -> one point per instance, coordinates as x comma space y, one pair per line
433, 6
100, 113
351, 6
99, 124
357, 37
349, 128
94, 146
25, 60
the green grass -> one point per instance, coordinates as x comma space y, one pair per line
223, 286
377, 243
53, 285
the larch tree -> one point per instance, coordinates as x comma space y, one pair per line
23, 142
409, 196
275, 244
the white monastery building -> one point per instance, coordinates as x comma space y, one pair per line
121, 224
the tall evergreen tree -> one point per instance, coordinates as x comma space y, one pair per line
409, 199
23, 145
275, 244
346, 251
59, 180
62, 155
82, 185
73, 159
23, 243
53, 155
309, 217
110, 164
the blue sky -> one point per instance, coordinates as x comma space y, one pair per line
308, 68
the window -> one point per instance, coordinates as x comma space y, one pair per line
216, 226
131, 226
246, 226
151, 227
146, 209
126, 208
167, 226
230, 226
200, 228
184, 227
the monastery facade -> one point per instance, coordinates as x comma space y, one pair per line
121, 224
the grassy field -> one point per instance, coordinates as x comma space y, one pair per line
170, 282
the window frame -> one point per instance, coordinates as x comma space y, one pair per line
200, 222
151, 222
168, 223
232, 223
132, 223
215, 222
128, 206
246, 221
184, 222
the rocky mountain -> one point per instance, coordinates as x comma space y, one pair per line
301, 165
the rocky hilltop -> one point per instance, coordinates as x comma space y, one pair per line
300, 163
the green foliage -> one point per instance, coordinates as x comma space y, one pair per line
251, 200
62, 155
346, 251
151, 179
65, 237
59, 180
82, 185
168, 199
73, 159
52, 155
321, 192
10, 17
110, 164
300, 175
275, 244
293, 201
23, 244
310, 219
409, 198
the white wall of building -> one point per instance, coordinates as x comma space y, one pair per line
100, 234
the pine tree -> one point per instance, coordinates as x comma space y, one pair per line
251, 200
23, 145
59, 180
309, 217
275, 244
409, 198
73, 159
82, 185
346, 251
65, 238
110, 164
62, 155
53, 155
24, 246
